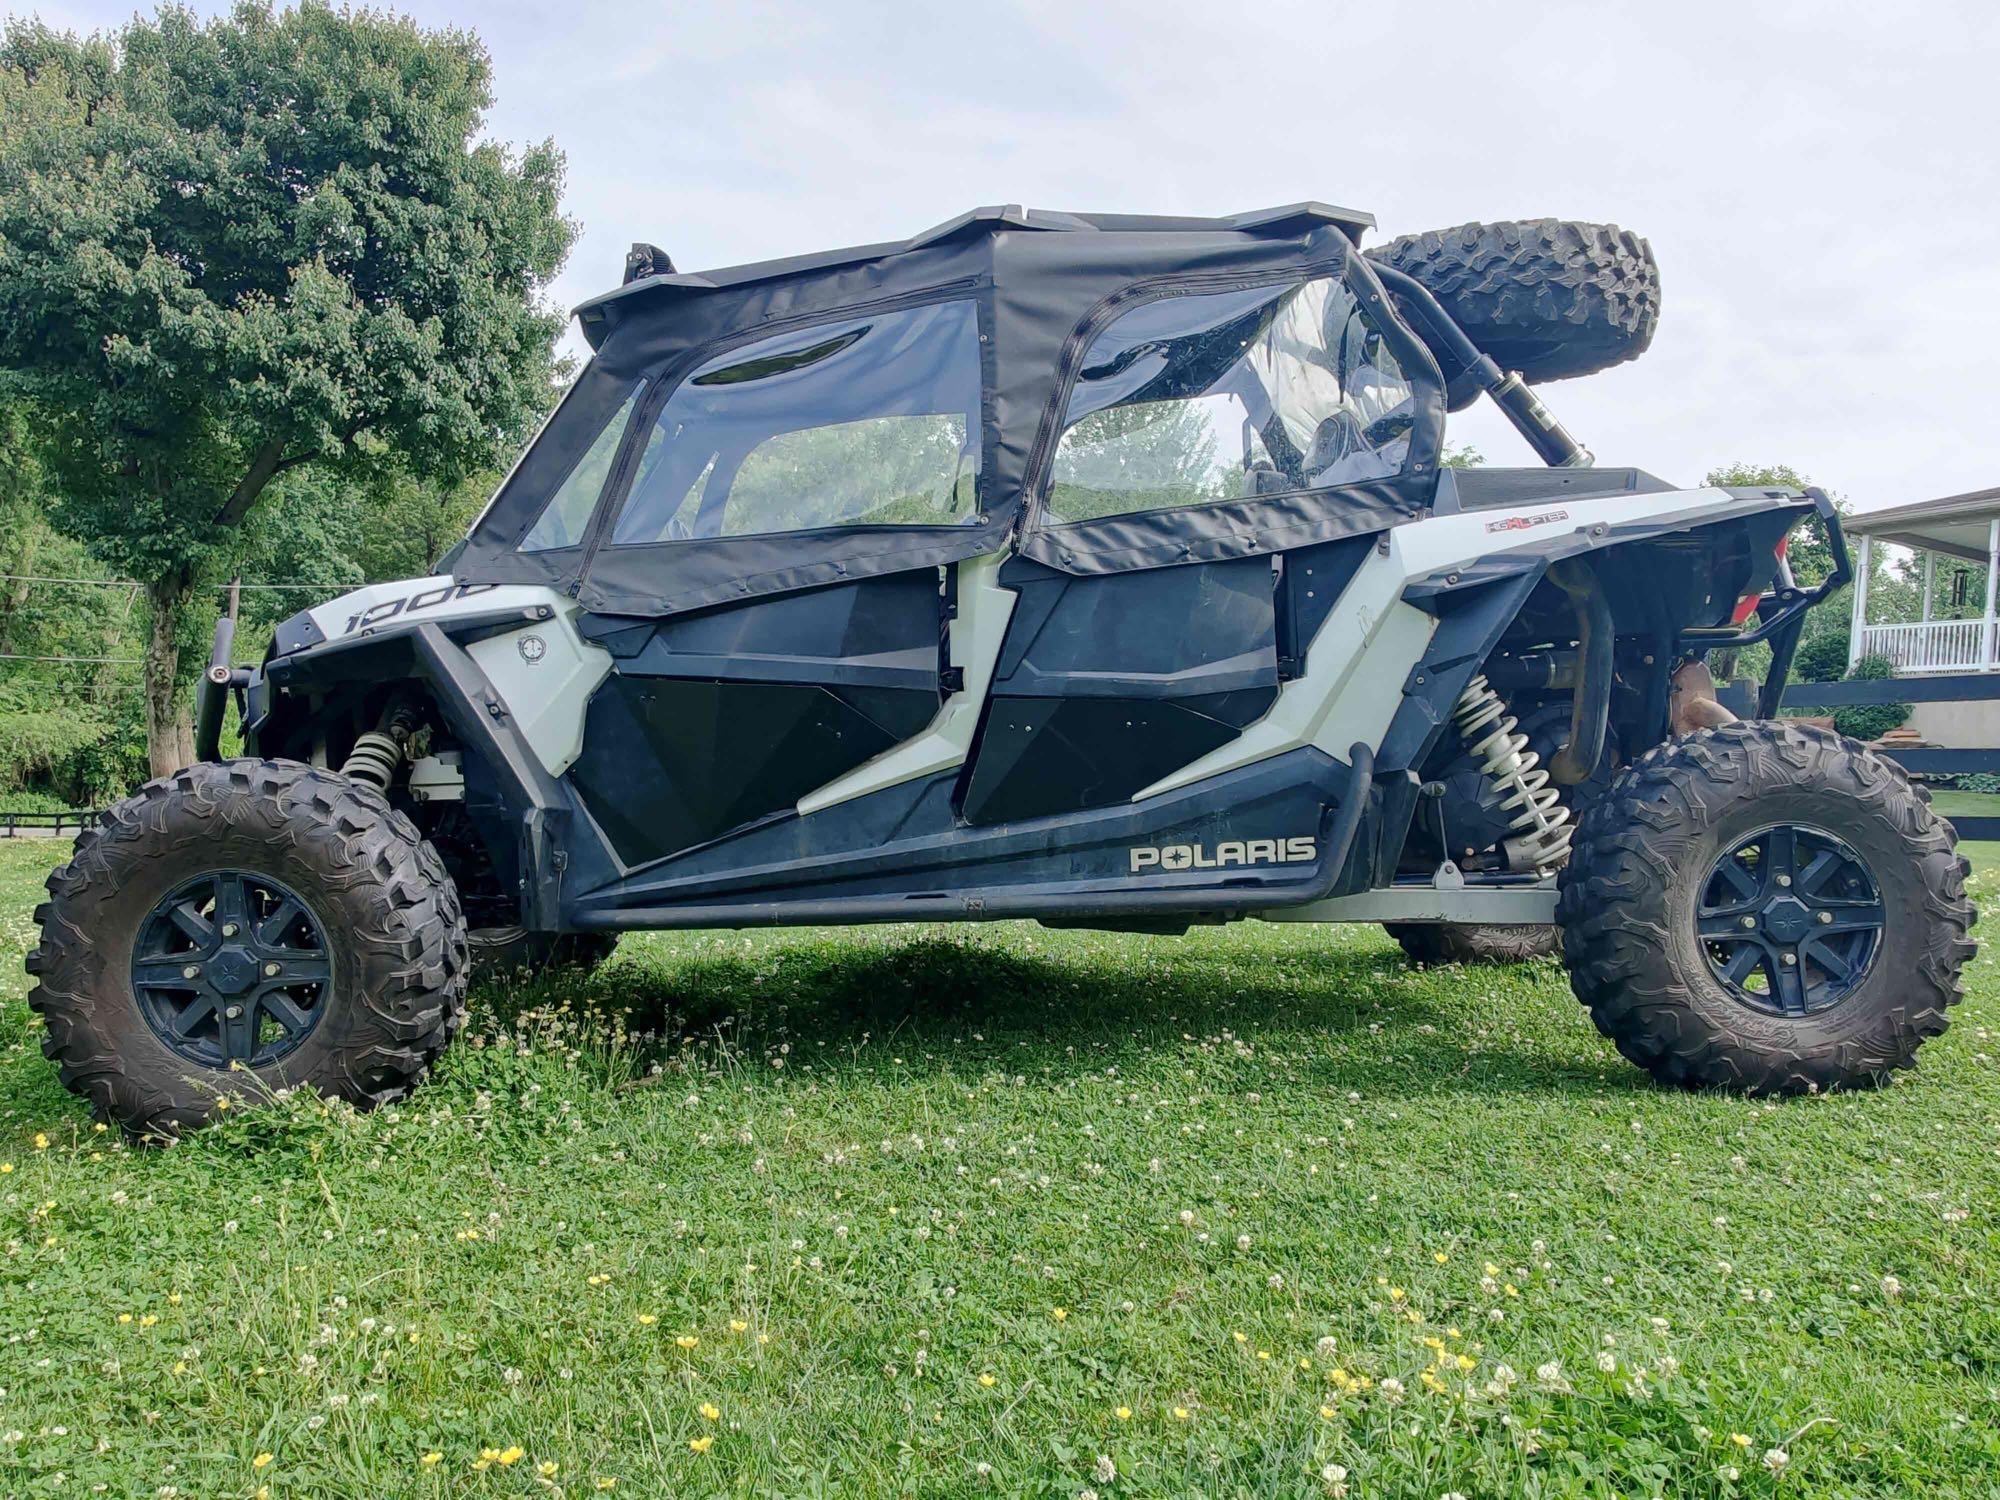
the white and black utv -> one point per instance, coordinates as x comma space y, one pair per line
1093, 569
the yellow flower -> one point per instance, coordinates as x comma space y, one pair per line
222, 1101
174, 1298
1740, 1439
1123, 1414
1466, 1361
546, 1469
1491, 1269
432, 1459
763, 1338
1181, 1413
1060, 1314
1263, 1353
1511, 1290
41, 1141
1241, 1338
510, 1456
1439, 1256
149, 1320
701, 1444
737, 1325
262, 1460
647, 1320
606, 1484
1395, 1294
986, 1378
6, 1166
1326, 1411
709, 1410
124, 1317
687, 1341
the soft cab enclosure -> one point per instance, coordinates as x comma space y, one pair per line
1003, 302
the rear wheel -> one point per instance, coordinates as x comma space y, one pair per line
1483, 943
242, 926
1765, 907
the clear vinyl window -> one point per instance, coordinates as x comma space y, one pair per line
1191, 400
566, 517
868, 422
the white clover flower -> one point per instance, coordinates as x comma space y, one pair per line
1607, 1361
1775, 1459
1104, 1471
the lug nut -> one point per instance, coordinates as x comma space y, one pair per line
234, 1013
1749, 923
1790, 959
229, 929
192, 971
1784, 880
1826, 916
270, 971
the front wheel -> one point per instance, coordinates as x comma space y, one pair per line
245, 926
1765, 907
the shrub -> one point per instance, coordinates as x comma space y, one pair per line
1872, 720
1821, 657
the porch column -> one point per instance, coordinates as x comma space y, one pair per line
1930, 562
1860, 621
1986, 653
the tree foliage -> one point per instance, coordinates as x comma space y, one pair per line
234, 249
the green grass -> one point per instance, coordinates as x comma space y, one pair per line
925, 1204
1966, 804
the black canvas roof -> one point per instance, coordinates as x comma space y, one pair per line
600, 313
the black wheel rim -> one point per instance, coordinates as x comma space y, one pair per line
1791, 919
231, 968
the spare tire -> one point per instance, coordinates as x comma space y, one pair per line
1548, 298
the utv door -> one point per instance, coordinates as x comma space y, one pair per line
1184, 548
771, 472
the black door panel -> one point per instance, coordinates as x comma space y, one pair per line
1107, 683
711, 721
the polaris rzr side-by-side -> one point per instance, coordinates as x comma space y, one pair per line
1100, 570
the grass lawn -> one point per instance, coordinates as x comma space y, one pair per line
1017, 1212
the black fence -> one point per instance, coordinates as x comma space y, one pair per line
14, 825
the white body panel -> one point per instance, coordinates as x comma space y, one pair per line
546, 690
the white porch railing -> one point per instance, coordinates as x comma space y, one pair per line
1933, 646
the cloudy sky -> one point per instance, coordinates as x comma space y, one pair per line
1820, 181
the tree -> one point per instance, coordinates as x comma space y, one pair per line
237, 248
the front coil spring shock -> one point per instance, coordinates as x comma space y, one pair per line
373, 759
1539, 828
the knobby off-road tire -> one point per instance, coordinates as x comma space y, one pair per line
1550, 298
1642, 859
499, 952
1480, 943
385, 914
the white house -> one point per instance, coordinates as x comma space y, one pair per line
1958, 528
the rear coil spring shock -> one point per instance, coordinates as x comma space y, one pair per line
373, 759
1539, 827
